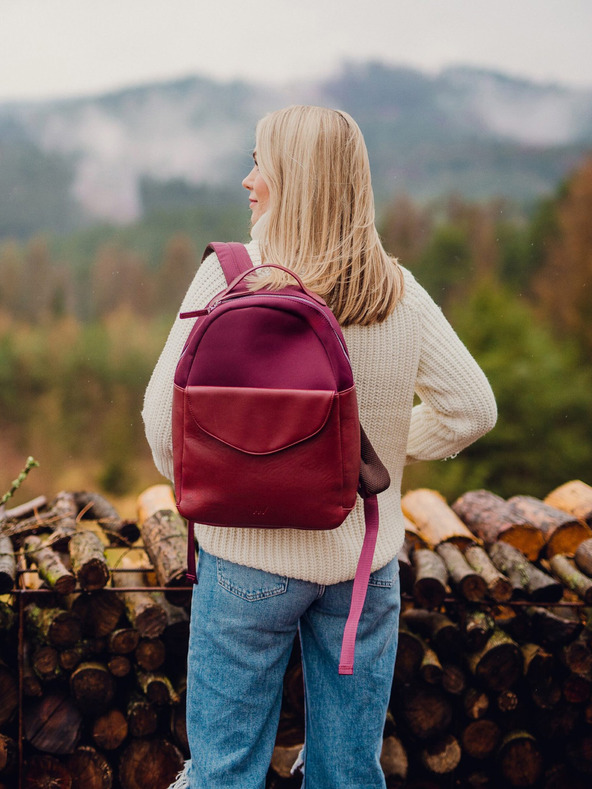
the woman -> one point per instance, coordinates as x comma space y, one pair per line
312, 210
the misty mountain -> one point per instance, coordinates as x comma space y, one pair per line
115, 157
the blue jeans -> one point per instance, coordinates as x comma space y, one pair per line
243, 624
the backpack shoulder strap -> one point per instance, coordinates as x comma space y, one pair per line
233, 258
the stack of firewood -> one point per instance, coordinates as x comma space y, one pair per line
103, 643
493, 681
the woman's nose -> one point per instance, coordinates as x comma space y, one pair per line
248, 180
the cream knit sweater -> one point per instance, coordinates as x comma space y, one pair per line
414, 350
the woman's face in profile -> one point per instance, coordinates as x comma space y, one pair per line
258, 192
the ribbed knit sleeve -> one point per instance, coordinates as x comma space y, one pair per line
458, 405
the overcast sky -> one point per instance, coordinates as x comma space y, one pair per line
51, 48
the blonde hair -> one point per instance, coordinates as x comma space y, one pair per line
320, 220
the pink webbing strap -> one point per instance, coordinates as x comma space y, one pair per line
348, 645
191, 569
233, 258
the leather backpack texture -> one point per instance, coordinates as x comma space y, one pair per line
266, 430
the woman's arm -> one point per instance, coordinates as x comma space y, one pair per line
158, 400
458, 404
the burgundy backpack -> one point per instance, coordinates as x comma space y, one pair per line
266, 432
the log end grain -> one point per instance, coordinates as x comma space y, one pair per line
567, 538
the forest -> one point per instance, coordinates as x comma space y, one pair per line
83, 318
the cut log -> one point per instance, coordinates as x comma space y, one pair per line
157, 688
123, 641
150, 654
442, 756
31, 684
109, 730
573, 497
89, 769
53, 626
426, 710
438, 628
405, 569
46, 772
431, 577
8, 694
53, 723
480, 738
119, 665
546, 695
46, 664
563, 533
92, 686
7, 612
520, 759
568, 574
538, 664
554, 626
430, 669
583, 557
523, 575
98, 611
144, 609
141, 716
499, 587
577, 656
492, 519
466, 581
557, 724
435, 520
413, 536
507, 701
165, 539
149, 763
283, 758
96, 507
475, 704
499, 664
476, 625
8, 755
7, 565
410, 650
88, 560
576, 689
50, 566
394, 762
454, 680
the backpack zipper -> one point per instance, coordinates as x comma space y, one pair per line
212, 307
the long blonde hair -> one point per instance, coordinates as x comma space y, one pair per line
321, 220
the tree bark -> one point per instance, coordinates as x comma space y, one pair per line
467, 582
499, 587
570, 576
492, 519
523, 575
165, 538
499, 663
7, 565
88, 560
53, 626
96, 507
574, 497
435, 520
583, 557
49, 565
431, 577
563, 533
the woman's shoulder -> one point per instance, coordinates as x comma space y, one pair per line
415, 296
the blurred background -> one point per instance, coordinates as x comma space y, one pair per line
125, 131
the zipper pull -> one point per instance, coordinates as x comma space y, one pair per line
193, 314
